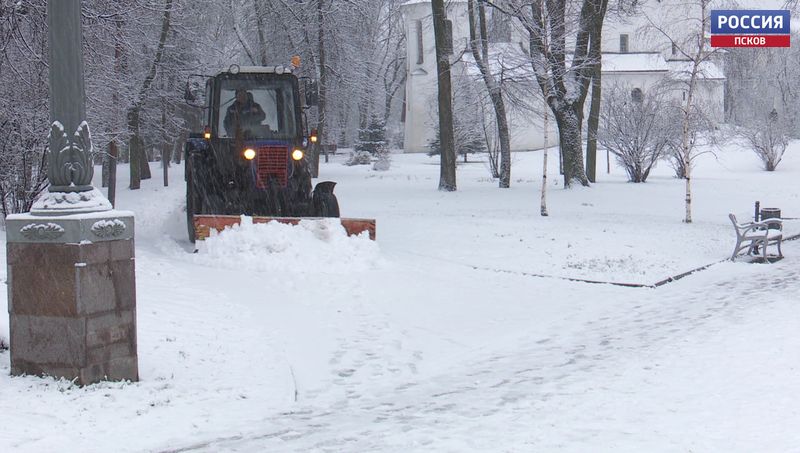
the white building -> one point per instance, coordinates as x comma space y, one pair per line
631, 58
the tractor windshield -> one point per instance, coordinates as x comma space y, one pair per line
252, 107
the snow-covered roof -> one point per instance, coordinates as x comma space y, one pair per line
510, 60
681, 69
634, 62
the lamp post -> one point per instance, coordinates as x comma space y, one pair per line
72, 296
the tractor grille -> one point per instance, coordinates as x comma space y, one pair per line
271, 161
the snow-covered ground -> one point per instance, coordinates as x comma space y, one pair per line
458, 330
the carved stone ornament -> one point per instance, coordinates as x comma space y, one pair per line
39, 231
69, 161
108, 228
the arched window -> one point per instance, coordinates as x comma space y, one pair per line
637, 96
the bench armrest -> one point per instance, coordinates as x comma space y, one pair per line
759, 228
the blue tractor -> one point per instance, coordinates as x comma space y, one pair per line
251, 159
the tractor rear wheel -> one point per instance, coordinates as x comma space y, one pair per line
191, 204
326, 205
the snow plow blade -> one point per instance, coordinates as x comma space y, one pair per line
203, 224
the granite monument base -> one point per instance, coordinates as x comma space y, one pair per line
72, 296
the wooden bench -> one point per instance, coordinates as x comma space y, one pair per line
752, 235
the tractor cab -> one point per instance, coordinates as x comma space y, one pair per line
256, 106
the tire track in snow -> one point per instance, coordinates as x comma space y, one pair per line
517, 387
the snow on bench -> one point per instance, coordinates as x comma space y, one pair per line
752, 235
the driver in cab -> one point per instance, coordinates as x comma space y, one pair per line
244, 114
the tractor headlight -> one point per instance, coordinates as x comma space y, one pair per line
297, 154
249, 154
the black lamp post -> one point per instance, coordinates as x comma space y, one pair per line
69, 161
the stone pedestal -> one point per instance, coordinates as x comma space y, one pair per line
72, 296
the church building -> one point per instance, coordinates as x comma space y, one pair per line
634, 56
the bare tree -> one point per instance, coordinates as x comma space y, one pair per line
768, 138
635, 127
592, 125
700, 138
120, 43
549, 24
479, 44
447, 174
23, 104
355, 50
469, 110
619, 9
691, 46
139, 166
764, 94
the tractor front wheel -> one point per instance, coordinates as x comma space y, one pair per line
191, 204
326, 205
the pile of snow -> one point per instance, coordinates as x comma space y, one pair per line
319, 245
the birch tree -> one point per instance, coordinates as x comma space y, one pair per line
692, 47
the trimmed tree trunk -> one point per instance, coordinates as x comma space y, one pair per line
165, 146
144, 161
177, 151
569, 120
595, 55
134, 155
593, 125
323, 91
447, 166
104, 178
112, 172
